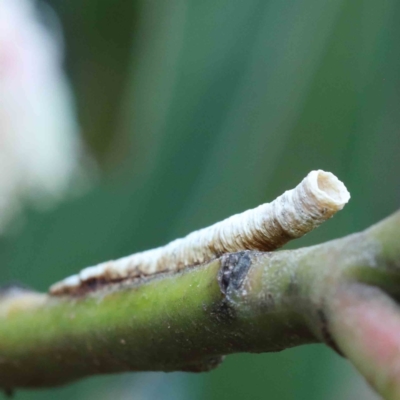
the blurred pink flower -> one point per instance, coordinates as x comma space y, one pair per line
39, 144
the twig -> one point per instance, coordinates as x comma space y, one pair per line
340, 293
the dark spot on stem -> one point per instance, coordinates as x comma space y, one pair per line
233, 271
293, 288
223, 312
326, 335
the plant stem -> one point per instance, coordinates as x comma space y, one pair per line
242, 302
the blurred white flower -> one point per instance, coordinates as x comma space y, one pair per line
39, 144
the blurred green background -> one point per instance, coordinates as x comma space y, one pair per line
196, 110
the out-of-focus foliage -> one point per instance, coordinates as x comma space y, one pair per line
197, 110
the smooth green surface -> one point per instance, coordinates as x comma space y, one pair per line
269, 301
172, 323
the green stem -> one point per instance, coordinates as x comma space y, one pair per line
242, 302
